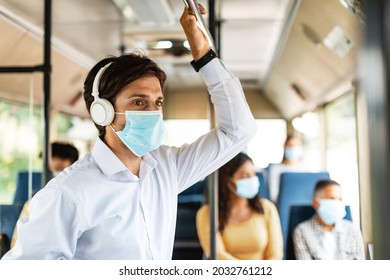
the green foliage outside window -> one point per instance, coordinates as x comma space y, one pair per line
20, 140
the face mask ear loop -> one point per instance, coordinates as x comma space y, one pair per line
112, 128
116, 113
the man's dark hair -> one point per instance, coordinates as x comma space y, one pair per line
124, 70
322, 184
64, 151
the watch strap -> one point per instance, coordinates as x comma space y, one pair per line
203, 60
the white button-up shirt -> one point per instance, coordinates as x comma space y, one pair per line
97, 209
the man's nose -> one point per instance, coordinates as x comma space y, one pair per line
152, 107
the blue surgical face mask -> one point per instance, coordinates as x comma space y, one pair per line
143, 131
293, 153
331, 211
248, 187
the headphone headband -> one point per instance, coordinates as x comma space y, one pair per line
95, 86
101, 110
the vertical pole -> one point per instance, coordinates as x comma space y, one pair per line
376, 87
46, 152
213, 178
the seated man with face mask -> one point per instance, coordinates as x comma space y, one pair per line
326, 236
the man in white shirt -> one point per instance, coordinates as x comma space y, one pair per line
120, 200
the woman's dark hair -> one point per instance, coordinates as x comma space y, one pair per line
225, 173
124, 70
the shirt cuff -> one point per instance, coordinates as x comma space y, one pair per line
214, 72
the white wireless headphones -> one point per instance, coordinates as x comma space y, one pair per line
101, 110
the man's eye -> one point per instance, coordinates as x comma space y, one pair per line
138, 102
159, 103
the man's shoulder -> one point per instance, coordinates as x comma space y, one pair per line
85, 163
79, 171
347, 226
307, 225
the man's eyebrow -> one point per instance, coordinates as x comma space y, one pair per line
140, 95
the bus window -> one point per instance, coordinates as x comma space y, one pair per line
17, 123
267, 145
308, 127
341, 153
178, 132
80, 132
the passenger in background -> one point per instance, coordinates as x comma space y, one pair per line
63, 155
327, 236
292, 161
249, 226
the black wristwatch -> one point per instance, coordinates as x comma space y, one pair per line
203, 60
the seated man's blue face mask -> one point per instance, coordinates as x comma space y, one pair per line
143, 131
331, 211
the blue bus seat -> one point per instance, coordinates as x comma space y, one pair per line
9, 215
263, 185
186, 243
21, 193
299, 214
195, 193
295, 188
5, 244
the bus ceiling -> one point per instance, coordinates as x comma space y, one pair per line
295, 54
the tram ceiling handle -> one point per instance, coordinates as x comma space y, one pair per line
194, 7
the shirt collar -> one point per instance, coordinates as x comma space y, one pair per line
148, 163
110, 164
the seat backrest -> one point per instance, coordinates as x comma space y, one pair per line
295, 188
186, 243
9, 215
21, 193
263, 185
5, 244
195, 193
299, 214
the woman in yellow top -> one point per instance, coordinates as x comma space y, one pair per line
249, 226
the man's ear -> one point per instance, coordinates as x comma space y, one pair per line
315, 202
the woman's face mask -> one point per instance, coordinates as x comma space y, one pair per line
331, 211
248, 187
143, 131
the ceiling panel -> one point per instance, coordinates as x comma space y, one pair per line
315, 69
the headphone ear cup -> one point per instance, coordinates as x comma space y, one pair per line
102, 112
